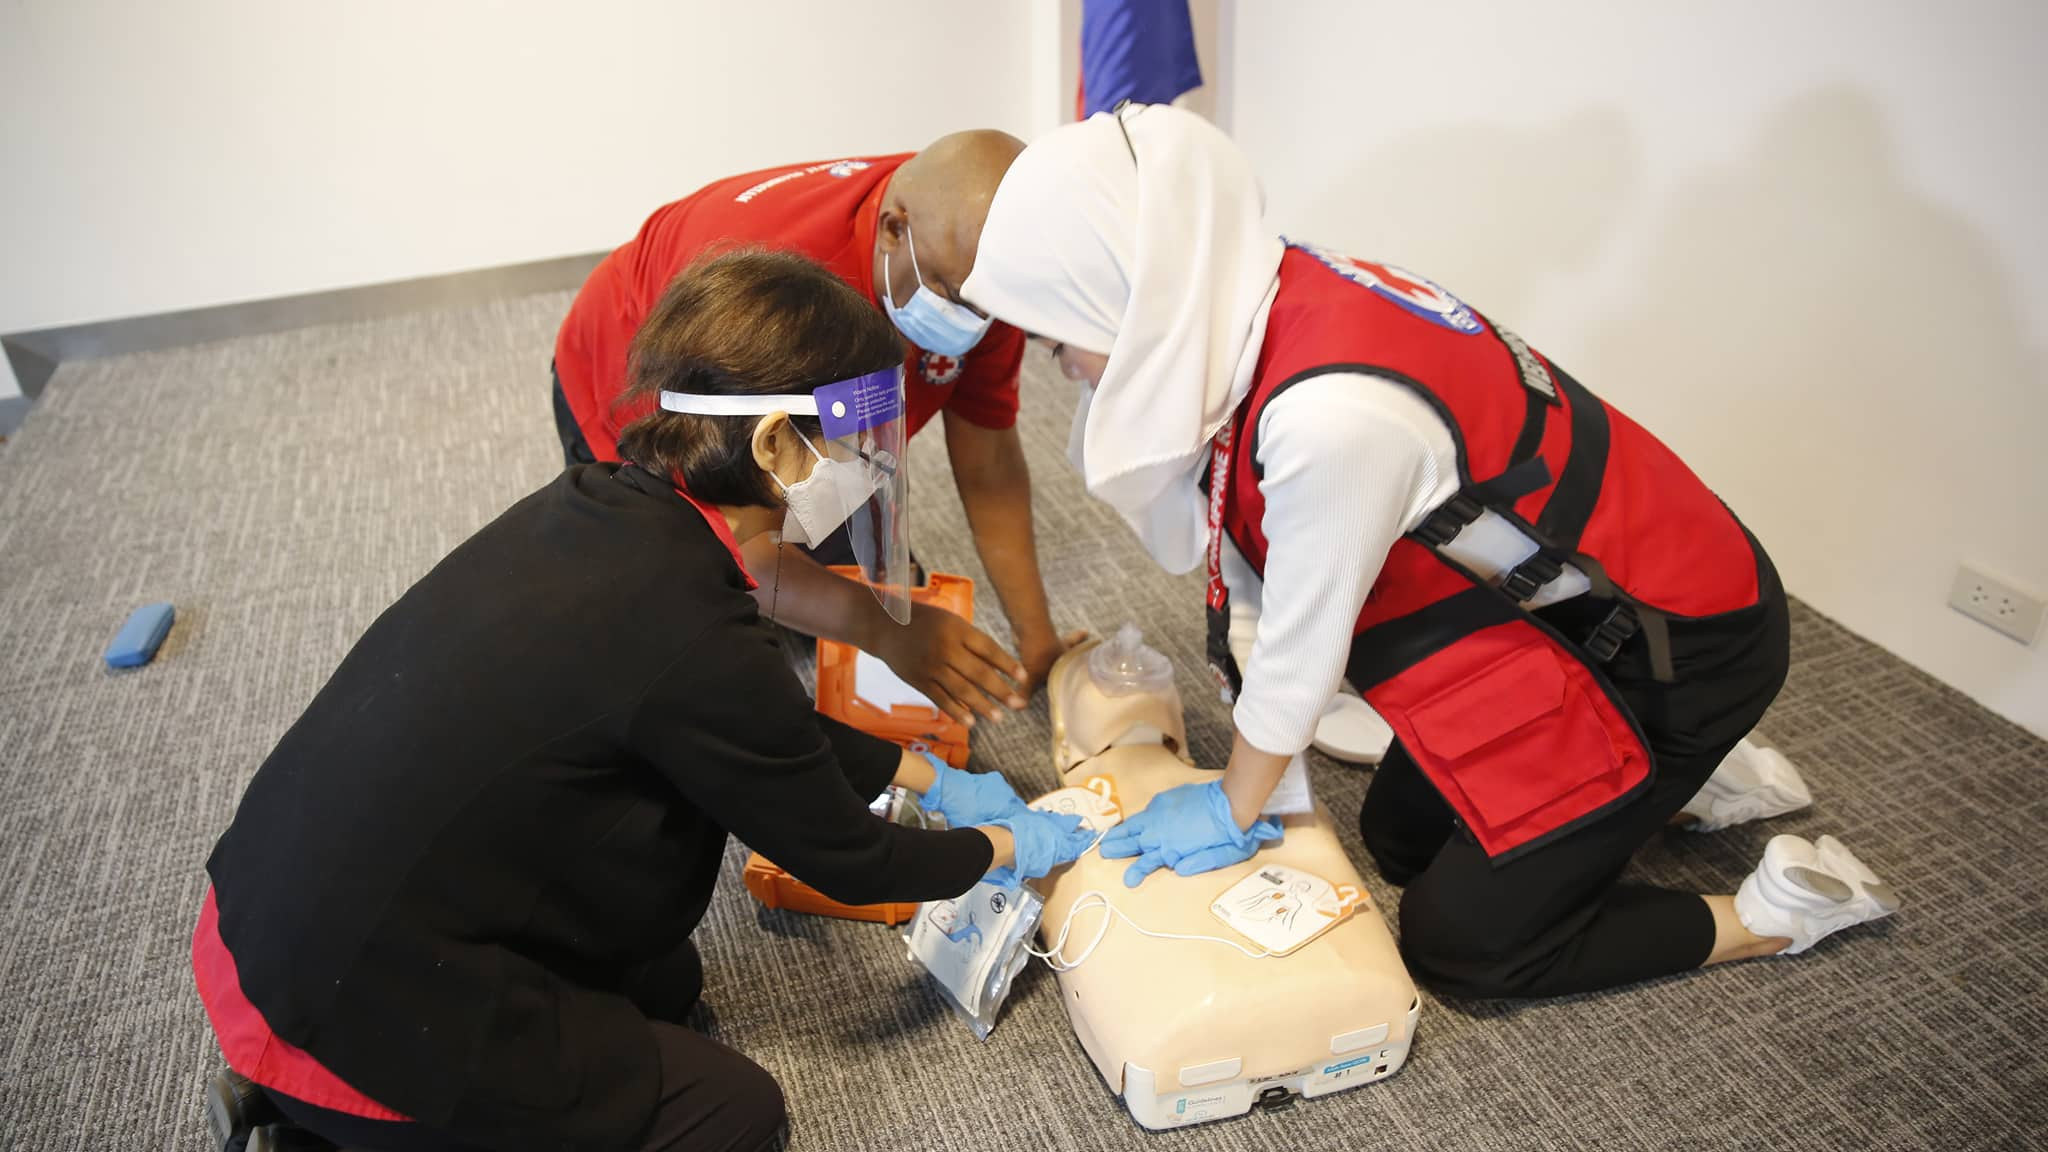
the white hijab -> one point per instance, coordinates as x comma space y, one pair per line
1155, 253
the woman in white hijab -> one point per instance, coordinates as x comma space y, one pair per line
1565, 629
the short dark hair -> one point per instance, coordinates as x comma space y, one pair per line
743, 322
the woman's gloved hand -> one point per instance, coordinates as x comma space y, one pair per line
1188, 829
966, 799
1045, 841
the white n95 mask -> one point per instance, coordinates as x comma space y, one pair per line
929, 320
828, 497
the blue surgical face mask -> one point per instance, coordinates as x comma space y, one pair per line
929, 320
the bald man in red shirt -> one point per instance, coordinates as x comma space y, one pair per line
891, 226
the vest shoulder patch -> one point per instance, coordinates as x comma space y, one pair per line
1414, 294
1536, 375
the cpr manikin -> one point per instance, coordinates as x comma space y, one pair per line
1198, 997
1125, 696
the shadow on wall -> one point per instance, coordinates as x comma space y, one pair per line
1491, 211
1811, 326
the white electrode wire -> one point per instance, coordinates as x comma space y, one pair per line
1053, 957
1093, 898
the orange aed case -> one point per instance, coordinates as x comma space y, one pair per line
917, 728
775, 888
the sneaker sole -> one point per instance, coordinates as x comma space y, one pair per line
1783, 781
224, 1117
1350, 731
1779, 790
1836, 855
1820, 883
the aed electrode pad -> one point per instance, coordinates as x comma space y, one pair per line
1094, 801
1280, 908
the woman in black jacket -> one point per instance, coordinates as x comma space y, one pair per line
454, 907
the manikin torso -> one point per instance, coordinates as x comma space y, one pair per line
1183, 1028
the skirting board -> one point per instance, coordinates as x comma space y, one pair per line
12, 409
34, 356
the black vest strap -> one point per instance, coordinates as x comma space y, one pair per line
1386, 650
1571, 503
1535, 416
1448, 519
1625, 620
1521, 478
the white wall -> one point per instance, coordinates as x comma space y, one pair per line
1055, 51
169, 156
1803, 242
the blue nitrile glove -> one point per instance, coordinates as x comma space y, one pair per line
1188, 829
1045, 841
966, 799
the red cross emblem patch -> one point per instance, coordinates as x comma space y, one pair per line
939, 369
1419, 296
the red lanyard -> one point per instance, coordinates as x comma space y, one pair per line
1219, 492
1221, 664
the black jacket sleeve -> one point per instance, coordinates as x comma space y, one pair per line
869, 762
731, 727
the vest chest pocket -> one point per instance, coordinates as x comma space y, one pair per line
1517, 735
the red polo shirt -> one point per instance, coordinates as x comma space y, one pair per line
826, 211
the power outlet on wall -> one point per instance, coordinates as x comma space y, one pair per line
1997, 603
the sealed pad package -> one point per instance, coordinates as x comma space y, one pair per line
974, 946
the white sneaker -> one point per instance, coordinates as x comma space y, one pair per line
1753, 783
1802, 894
1351, 731
1877, 896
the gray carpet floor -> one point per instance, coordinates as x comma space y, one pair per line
283, 489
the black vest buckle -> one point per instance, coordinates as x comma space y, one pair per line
1610, 634
1530, 576
1450, 518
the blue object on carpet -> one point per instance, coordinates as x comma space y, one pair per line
136, 643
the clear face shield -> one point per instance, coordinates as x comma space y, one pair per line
859, 479
863, 420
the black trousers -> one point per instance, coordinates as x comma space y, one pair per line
1558, 920
712, 1098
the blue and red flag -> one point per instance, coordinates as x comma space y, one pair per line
1138, 50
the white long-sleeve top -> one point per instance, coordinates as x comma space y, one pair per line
1351, 463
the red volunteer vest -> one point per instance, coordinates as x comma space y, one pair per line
1514, 723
